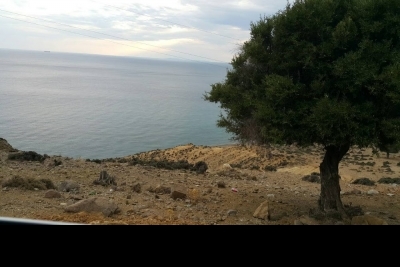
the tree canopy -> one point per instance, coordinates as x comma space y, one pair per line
319, 71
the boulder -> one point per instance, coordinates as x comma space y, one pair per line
262, 212
95, 204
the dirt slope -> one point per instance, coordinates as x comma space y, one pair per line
221, 195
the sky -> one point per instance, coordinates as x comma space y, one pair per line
207, 30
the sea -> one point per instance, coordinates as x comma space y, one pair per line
97, 107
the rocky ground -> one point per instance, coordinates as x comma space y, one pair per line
240, 186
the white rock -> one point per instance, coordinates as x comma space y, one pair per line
227, 166
372, 192
390, 195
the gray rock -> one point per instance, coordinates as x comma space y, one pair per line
232, 212
271, 195
262, 212
95, 204
52, 194
68, 186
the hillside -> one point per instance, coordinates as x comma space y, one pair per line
241, 185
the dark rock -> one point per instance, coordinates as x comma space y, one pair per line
137, 188
221, 184
178, 194
312, 178
52, 194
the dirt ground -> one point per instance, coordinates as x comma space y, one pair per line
238, 180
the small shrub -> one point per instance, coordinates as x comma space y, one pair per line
27, 156
240, 165
270, 168
364, 181
313, 178
388, 180
29, 183
200, 167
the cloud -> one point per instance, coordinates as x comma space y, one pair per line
209, 29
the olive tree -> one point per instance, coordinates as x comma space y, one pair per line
317, 72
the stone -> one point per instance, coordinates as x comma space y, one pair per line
52, 194
68, 186
262, 212
367, 219
95, 204
372, 192
178, 195
137, 188
227, 166
160, 189
232, 212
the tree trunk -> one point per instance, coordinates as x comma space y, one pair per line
330, 187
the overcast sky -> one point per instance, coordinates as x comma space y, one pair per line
192, 30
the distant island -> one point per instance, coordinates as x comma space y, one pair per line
47, 51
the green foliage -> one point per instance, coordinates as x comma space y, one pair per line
319, 71
27, 156
388, 180
199, 167
364, 181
